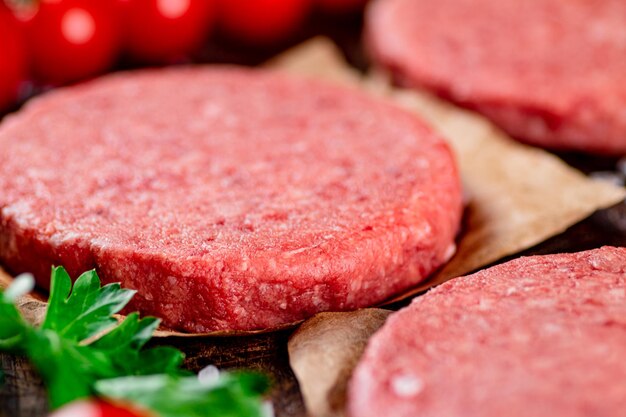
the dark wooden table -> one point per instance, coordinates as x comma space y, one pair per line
23, 395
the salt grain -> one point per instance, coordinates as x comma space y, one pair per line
209, 375
267, 409
407, 385
450, 251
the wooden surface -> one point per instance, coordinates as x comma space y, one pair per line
22, 394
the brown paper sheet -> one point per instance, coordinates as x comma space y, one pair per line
329, 346
518, 196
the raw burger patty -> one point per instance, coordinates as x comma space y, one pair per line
229, 198
550, 72
543, 336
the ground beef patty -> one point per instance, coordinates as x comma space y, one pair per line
229, 198
542, 336
550, 72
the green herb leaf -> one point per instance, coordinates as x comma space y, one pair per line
81, 350
123, 344
87, 310
232, 395
13, 329
66, 369
74, 332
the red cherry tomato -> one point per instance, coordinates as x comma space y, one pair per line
340, 6
87, 408
163, 30
72, 39
12, 58
262, 22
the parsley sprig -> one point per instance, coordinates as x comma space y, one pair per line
81, 350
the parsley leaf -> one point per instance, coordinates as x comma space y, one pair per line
87, 310
66, 369
82, 312
81, 350
124, 344
13, 328
232, 395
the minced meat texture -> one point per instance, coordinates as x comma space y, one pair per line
541, 336
549, 72
231, 199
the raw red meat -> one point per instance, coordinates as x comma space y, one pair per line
549, 72
229, 198
541, 336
